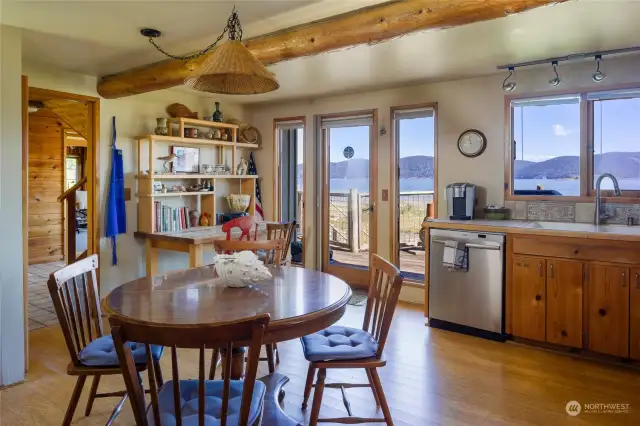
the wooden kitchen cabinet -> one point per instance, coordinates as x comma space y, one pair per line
564, 302
634, 320
529, 297
607, 299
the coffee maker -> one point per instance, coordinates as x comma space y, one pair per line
461, 200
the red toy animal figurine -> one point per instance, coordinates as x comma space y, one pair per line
245, 223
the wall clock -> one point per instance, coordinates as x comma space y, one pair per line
472, 143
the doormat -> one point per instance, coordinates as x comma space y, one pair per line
358, 298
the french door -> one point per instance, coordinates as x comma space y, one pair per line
349, 164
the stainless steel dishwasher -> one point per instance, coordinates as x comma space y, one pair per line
470, 301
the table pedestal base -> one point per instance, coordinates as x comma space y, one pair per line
273, 413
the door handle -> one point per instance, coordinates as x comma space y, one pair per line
540, 269
551, 273
624, 281
637, 282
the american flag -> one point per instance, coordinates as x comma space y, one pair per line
254, 171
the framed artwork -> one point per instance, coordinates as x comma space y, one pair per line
188, 160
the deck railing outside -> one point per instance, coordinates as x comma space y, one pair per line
349, 218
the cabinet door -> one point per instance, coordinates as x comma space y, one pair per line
528, 297
608, 309
634, 322
564, 302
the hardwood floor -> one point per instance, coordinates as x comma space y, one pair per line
432, 377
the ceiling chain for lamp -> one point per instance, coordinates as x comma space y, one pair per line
555, 80
230, 69
509, 86
598, 75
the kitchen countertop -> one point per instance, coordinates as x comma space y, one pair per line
576, 230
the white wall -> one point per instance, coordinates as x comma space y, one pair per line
473, 103
11, 263
135, 116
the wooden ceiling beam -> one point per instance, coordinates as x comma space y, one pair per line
369, 25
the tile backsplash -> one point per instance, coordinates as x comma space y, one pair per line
571, 212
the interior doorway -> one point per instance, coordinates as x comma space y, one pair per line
59, 187
349, 165
290, 181
414, 187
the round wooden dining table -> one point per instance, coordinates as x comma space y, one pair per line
300, 301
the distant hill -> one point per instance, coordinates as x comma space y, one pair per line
623, 165
413, 167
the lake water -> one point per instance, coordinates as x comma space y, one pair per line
564, 186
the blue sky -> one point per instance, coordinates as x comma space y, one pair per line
554, 130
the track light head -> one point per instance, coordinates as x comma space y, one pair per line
509, 86
598, 75
555, 80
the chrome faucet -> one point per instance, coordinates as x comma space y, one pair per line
616, 190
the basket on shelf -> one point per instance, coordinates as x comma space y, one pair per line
238, 202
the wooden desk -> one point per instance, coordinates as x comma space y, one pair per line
300, 301
192, 241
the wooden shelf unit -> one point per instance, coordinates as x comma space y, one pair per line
205, 201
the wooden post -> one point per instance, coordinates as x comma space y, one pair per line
71, 228
353, 219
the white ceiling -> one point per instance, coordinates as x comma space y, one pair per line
98, 38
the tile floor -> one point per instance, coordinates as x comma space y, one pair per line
41, 311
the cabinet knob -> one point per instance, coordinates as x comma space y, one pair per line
551, 269
624, 280
602, 312
563, 333
538, 297
637, 282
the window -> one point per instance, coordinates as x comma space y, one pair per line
72, 171
616, 147
561, 145
546, 140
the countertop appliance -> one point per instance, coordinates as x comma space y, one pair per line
461, 200
469, 301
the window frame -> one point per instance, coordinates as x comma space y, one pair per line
587, 192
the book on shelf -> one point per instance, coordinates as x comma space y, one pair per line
170, 219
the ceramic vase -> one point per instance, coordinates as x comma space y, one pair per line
217, 115
161, 126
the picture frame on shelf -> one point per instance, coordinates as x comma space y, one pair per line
188, 160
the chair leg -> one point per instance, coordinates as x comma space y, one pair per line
158, 370
116, 410
92, 395
317, 397
307, 388
75, 396
383, 399
373, 387
275, 347
214, 363
270, 360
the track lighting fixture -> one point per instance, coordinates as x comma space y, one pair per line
509, 86
555, 80
598, 75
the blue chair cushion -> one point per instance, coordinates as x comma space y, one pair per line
213, 404
102, 353
338, 342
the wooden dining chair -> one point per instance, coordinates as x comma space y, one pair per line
273, 250
246, 225
345, 347
195, 401
284, 231
74, 294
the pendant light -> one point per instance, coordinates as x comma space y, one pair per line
230, 69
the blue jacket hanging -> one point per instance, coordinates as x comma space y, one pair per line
116, 213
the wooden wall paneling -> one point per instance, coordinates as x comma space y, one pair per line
564, 302
607, 298
45, 177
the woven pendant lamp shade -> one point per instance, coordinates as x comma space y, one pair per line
232, 69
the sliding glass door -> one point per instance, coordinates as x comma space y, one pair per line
349, 164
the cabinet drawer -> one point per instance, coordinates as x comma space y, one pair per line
578, 248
